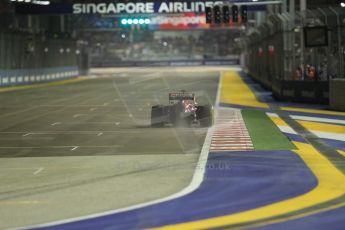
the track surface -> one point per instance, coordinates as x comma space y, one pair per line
275, 189
87, 147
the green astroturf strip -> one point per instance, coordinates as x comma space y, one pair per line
264, 133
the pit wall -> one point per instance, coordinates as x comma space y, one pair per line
337, 94
15, 77
314, 92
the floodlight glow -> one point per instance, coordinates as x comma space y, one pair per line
130, 21
141, 21
147, 21
124, 21
41, 2
135, 21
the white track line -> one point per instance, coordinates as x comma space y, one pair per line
328, 135
286, 129
60, 147
38, 171
315, 119
146, 77
74, 148
79, 132
56, 123
322, 135
95, 123
197, 179
319, 134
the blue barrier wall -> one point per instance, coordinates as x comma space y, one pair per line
30, 76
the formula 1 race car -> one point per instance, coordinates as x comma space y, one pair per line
182, 110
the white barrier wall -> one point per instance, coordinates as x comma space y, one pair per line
30, 76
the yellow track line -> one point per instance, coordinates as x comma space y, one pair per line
312, 111
308, 213
313, 126
235, 91
278, 121
341, 152
317, 126
329, 187
39, 85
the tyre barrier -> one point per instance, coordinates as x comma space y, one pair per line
30, 76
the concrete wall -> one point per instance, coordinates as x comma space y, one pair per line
337, 94
30, 76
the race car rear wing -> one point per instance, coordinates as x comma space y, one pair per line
179, 96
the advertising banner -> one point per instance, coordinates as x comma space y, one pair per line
184, 21
118, 7
148, 7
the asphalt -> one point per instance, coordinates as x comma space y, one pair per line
76, 149
223, 192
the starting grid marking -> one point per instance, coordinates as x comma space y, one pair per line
230, 133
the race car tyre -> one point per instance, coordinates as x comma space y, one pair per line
174, 114
158, 117
205, 115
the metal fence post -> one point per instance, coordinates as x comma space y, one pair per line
340, 48
303, 8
